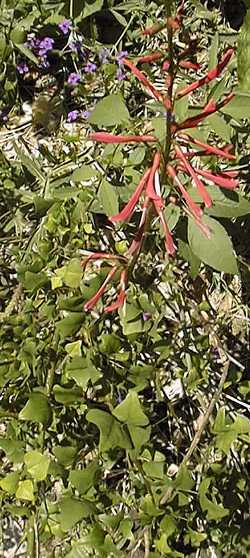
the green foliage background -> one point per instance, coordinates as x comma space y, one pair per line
97, 412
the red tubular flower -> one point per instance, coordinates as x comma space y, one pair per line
106, 137
196, 210
94, 299
150, 57
212, 74
127, 211
210, 108
189, 169
142, 78
189, 66
122, 293
222, 181
209, 149
149, 31
169, 243
101, 256
150, 190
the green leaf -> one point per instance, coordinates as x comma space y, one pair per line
73, 273
110, 111
72, 511
14, 449
28, 53
30, 164
230, 205
139, 436
109, 198
91, 8
9, 482
172, 215
37, 409
65, 455
188, 255
34, 281
74, 349
25, 490
214, 511
216, 251
82, 372
84, 479
67, 396
71, 324
243, 52
130, 411
37, 464
111, 432
239, 107
84, 174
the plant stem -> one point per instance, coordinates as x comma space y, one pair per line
170, 83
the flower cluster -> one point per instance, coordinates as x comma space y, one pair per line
178, 162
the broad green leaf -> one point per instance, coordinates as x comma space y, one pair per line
112, 433
37, 409
74, 349
110, 111
213, 51
109, 198
30, 164
14, 449
70, 325
65, 455
84, 174
130, 411
243, 52
9, 482
72, 511
223, 129
28, 53
239, 107
37, 464
84, 479
216, 251
67, 396
154, 469
214, 511
230, 205
172, 215
34, 281
91, 8
73, 273
82, 372
25, 490
188, 255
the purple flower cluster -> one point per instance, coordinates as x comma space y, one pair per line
46, 44
74, 78
90, 68
65, 26
73, 115
22, 68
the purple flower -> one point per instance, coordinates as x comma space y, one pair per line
22, 68
104, 55
65, 26
146, 316
85, 114
120, 75
120, 56
72, 116
74, 78
45, 45
90, 68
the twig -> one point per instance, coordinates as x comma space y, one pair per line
12, 304
146, 543
203, 425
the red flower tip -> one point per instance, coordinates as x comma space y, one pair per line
149, 58
106, 137
198, 183
127, 211
196, 210
142, 78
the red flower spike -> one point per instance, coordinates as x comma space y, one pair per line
196, 210
127, 211
209, 149
211, 75
106, 137
230, 173
137, 242
93, 301
165, 66
150, 190
210, 108
187, 64
142, 78
149, 58
169, 243
223, 182
101, 256
122, 294
189, 169
149, 31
